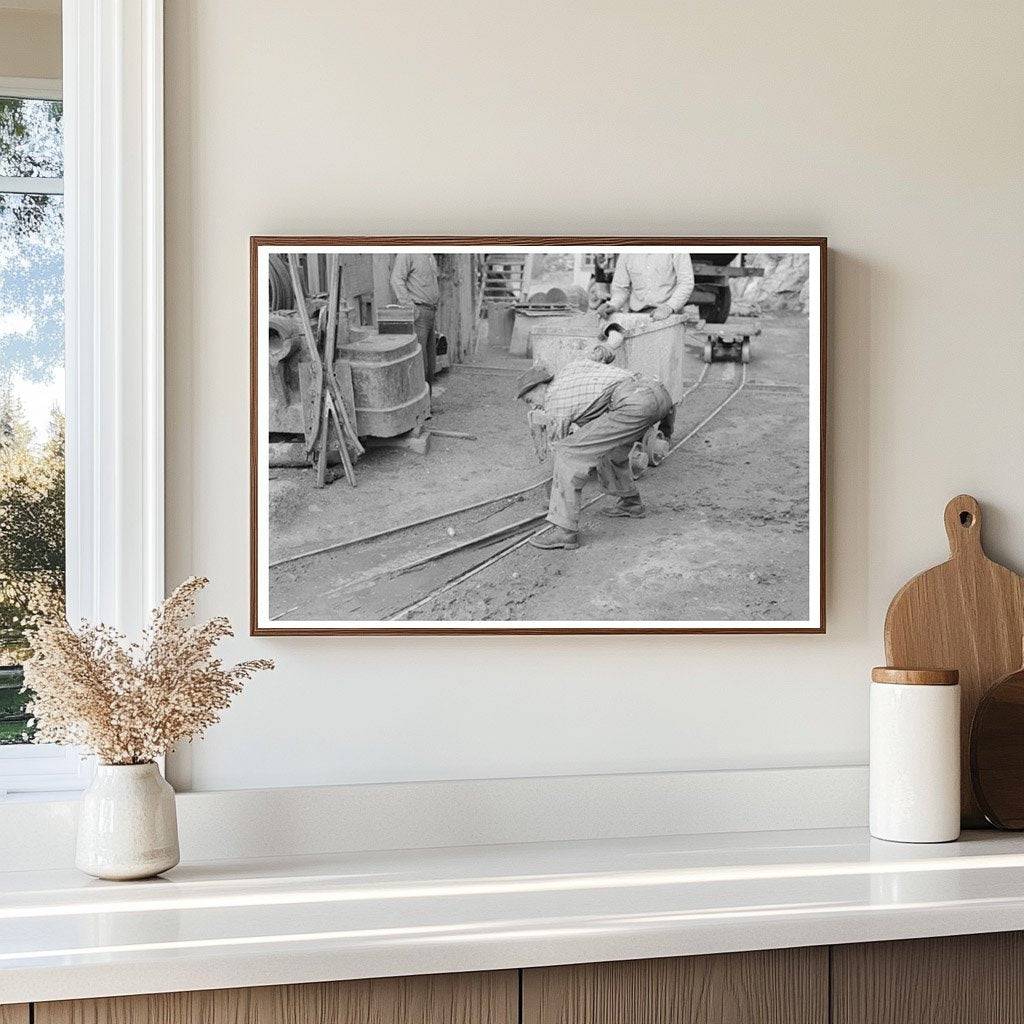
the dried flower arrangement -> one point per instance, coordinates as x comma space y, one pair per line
129, 703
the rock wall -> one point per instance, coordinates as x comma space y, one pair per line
783, 289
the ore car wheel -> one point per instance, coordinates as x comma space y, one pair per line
717, 312
707, 351
639, 460
745, 351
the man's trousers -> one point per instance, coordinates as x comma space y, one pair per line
604, 444
423, 322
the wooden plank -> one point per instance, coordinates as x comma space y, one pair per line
481, 998
343, 393
466, 306
333, 298
710, 270
346, 460
311, 393
324, 443
313, 276
343, 378
782, 986
962, 979
294, 271
330, 341
14, 1013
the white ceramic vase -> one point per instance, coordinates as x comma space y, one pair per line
127, 825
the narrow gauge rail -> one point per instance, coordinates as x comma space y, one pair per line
393, 573
523, 539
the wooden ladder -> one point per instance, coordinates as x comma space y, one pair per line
506, 276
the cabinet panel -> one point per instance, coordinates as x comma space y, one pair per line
14, 1013
962, 979
778, 986
482, 998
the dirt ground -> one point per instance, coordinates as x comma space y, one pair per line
726, 535
396, 486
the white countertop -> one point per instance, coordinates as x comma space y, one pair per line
261, 922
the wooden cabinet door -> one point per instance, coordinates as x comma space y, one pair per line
961, 979
482, 998
14, 1013
778, 986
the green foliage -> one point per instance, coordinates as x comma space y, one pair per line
31, 138
14, 727
31, 346
31, 242
31, 545
30, 147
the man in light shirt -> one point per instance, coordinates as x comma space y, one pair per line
414, 282
652, 282
610, 408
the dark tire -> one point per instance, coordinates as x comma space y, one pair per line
714, 259
716, 312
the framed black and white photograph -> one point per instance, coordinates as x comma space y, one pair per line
537, 435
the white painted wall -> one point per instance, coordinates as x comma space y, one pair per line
895, 129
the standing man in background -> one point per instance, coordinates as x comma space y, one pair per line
414, 282
651, 282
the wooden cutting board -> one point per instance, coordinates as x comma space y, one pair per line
997, 752
967, 614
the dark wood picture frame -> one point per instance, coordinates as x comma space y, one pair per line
256, 242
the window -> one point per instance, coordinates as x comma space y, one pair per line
32, 562
92, 172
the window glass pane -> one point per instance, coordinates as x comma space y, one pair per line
31, 432
31, 138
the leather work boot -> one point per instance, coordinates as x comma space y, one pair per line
556, 537
629, 508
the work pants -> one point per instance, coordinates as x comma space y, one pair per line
604, 444
423, 321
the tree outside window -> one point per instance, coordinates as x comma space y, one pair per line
31, 387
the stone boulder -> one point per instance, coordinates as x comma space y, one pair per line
784, 287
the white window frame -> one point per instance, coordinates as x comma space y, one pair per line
31, 89
114, 332
45, 767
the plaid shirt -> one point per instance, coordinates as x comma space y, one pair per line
576, 388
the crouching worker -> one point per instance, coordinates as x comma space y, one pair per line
592, 413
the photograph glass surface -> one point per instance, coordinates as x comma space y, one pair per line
491, 437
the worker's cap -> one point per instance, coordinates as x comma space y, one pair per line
535, 375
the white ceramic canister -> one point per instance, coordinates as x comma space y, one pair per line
915, 755
127, 824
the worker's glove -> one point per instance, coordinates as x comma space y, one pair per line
538, 421
601, 354
606, 309
662, 312
667, 425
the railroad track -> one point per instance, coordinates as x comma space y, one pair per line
523, 540
413, 564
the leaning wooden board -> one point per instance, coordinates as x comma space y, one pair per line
967, 614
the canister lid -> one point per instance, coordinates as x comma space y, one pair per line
916, 676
